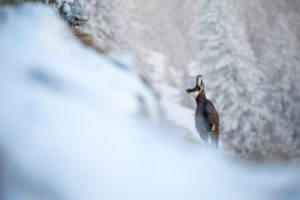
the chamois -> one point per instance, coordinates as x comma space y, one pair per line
206, 116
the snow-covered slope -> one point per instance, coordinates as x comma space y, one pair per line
157, 34
78, 125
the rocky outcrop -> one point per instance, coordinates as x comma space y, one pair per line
71, 10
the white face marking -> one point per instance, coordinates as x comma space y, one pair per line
195, 94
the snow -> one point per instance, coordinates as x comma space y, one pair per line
180, 115
78, 125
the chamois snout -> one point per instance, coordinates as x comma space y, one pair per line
188, 90
199, 87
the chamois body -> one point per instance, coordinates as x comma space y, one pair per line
206, 116
207, 119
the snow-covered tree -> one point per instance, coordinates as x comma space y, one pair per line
281, 69
232, 77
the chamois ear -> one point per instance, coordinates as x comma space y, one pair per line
202, 84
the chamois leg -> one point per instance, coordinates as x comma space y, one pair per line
215, 139
204, 137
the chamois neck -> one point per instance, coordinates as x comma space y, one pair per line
201, 97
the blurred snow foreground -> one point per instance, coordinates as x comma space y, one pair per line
78, 125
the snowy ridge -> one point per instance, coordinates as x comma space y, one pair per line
180, 115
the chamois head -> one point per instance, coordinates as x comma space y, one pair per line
199, 87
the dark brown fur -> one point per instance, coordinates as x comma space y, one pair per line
207, 119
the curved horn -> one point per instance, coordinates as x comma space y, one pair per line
197, 79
